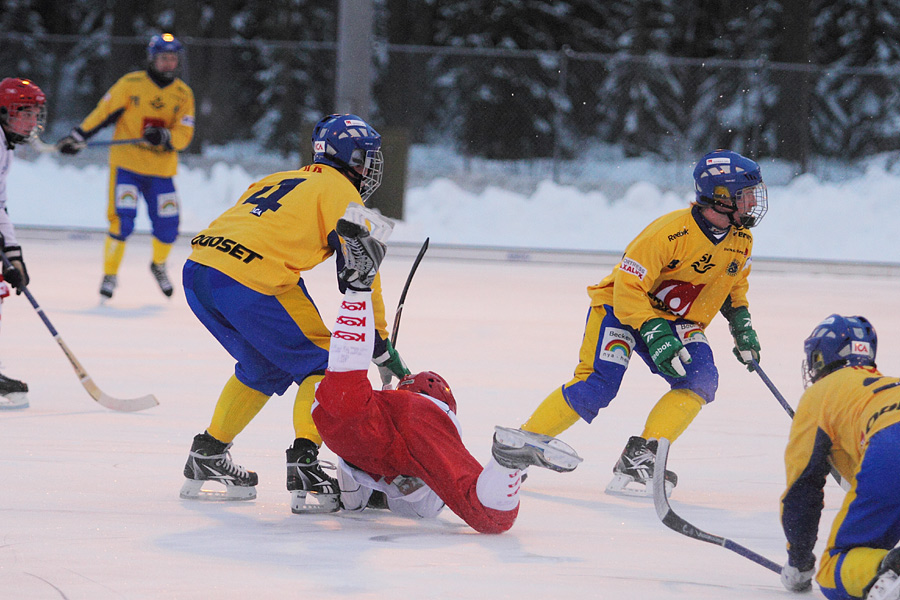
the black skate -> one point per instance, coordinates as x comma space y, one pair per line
108, 286
517, 449
886, 584
307, 481
210, 461
13, 393
162, 278
633, 473
363, 250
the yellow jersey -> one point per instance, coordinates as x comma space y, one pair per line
281, 226
835, 419
677, 268
847, 406
135, 102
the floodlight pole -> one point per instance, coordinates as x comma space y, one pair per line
353, 63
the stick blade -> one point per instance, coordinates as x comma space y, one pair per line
659, 480
118, 404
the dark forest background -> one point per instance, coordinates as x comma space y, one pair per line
501, 78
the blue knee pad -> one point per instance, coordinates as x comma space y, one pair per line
702, 376
587, 397
166, 230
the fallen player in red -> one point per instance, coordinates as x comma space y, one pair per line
405, 443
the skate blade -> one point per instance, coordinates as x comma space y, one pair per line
193, 490
302, 502
885, 589
558, 455
14, 400
625, 485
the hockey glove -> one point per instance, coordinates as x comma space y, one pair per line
796, 580
158, 136
72, 143
668, 353
17, 275
746, 342
390, 364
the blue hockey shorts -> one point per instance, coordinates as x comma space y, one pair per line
126, 188
606, 351
868, 519
276, 340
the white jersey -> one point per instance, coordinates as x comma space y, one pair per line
6, 226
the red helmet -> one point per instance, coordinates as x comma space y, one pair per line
430, 384
22, 110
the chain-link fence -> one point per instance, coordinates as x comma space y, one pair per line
541, 113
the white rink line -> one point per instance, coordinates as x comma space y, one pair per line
535, 255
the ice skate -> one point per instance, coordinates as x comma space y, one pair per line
517, 449
312, 491
886, 585
210, 461
107, 287
13, 393
633, 473
162, 278
363, 250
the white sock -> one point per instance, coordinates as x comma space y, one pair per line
353, 337
498, 487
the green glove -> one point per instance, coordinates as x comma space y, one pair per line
668, 353
746, 342
390, 364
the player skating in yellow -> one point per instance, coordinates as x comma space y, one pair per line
155, 109
674, 277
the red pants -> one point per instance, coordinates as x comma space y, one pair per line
395, 432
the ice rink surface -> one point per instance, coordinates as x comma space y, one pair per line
89, 505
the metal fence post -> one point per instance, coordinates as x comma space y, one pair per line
558, 117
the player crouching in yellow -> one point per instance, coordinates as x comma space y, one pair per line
849, 417
243, 281
672, 280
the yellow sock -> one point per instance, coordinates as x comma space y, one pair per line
553, 416
237, 406
303, 421
672, 415
160, 251
113, 251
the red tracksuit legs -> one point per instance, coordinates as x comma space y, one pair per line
396, 432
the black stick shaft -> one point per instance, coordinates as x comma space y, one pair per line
412, 271
787, 408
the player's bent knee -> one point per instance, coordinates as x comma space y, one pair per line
166, 232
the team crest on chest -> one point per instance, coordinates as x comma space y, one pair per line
676, 297
733, 268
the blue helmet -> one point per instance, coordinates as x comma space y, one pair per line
346, 142
723, 178
838, 342
163, 43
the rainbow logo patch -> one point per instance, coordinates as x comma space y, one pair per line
690, 332
618, 346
